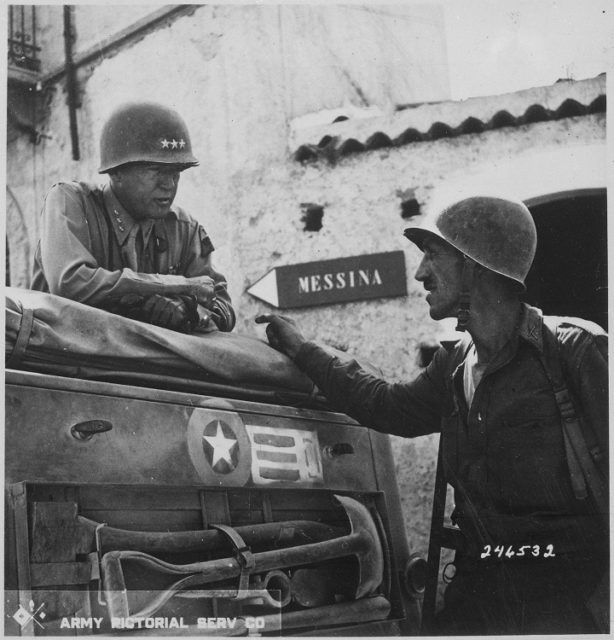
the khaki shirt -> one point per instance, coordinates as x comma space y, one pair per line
91, 250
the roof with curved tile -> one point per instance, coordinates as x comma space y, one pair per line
433, 121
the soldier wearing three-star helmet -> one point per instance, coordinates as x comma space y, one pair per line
124, 246
521, 403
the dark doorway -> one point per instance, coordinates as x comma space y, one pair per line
570, 271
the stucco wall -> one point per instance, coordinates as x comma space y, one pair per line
92, 24
49, 30
361, 196
237, 74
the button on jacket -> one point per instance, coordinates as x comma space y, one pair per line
91, 250
506, 451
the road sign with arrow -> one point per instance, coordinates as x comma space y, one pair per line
378, 275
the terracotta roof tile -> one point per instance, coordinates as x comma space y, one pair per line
350, 146
441, 130
305, 153
449, 119
408, 136
472, 125
598, 105
501, 119
378, 140
535, 113
569, 109
325, 141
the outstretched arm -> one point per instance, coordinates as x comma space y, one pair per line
408, 409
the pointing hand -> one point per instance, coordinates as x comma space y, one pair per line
283, 334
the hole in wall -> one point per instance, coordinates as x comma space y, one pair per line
410, 209
312, 215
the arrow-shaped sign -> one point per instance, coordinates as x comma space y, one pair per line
266, 288
378, 275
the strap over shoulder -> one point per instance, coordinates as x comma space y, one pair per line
581, 445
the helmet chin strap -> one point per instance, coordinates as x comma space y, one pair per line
464, 309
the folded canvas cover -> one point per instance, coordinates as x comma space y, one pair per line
49, 334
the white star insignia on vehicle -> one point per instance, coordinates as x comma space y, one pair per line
174, 143
165, 143
222, 446
181, 143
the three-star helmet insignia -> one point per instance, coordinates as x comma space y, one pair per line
165, 143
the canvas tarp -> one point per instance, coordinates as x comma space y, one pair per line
50, 334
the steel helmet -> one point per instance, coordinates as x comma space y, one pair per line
144, 132
497, 233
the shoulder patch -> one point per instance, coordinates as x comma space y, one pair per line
206, 246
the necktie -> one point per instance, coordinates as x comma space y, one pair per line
144, 252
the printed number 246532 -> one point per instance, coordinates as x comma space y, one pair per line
526, 550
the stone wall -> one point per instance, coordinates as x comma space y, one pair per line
362, 196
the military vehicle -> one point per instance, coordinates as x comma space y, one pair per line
147, 494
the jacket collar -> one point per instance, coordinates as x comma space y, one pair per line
530, 326
529, 329
121, 221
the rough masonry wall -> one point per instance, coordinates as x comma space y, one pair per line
237, 74
362, 197
222, 69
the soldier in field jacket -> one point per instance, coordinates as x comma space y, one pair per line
124, 246
524, 481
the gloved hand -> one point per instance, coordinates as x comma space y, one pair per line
282, 333
203, 288
171, 312
129, 305
179, 313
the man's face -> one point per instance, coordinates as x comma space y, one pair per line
146, 190
441, 272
